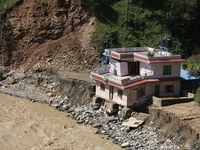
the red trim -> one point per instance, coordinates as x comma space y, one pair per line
127, 56
167, 60
153, 80
134, 84
99, 78
115, 55
140, 58
116, 84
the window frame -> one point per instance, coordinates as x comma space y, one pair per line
140, 92
167, 70
169, 88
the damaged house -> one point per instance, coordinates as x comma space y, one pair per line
133, 75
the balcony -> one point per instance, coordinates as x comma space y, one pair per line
115, 80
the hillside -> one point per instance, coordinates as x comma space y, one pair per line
67, 35
51, 35
148, 22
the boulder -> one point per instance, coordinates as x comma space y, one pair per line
126, 144
126, 112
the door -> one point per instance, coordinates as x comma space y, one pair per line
157, 90
111, 92
131, 68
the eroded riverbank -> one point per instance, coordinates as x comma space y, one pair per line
26, 125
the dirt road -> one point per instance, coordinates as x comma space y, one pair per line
25, 125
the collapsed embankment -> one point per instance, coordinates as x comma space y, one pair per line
48, 87
179, 122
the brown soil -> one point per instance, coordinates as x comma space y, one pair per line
35, 126
51, 36
180, 123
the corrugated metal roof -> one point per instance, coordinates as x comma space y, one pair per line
185, 75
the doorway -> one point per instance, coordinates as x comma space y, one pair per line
133, 68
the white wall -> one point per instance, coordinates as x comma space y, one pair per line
158, 70
99, 92
150, 88
117, 99
120, 67
145, 68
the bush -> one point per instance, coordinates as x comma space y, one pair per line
184, 65
1, 73
197, 96
149, 54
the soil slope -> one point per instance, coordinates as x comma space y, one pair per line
48, 34
179, 122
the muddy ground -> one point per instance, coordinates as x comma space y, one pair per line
35, 126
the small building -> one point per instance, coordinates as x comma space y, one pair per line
132, 76
189, 84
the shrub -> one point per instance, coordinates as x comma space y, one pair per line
184, 65
197, 96
149, 54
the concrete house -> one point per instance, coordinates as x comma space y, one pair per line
131, 77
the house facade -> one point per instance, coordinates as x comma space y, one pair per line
131, 77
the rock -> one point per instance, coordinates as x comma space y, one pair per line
55, 105
66, 107
95, 107
126, 144
70, 110
61, 102
66, 98
126, 112
120, 108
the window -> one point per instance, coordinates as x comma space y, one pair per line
141, 92
120, 93
167, 69
169, 88
102, 87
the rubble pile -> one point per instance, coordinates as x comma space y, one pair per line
142, 137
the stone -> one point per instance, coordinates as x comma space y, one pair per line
66, 107
55, 105
126, 112
120, 108
70, 110
126, 144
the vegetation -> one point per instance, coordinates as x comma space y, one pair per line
149, 54
5, 4
78, 57
148, 22
5, 32
194, 73
39, 3
197, 96
57, 47
192, 63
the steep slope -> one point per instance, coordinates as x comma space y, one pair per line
52, 35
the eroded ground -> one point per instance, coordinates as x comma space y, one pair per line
26, 125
